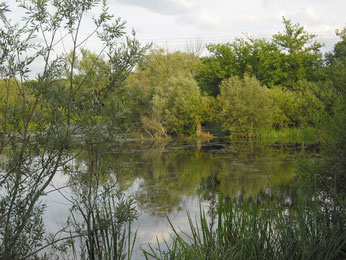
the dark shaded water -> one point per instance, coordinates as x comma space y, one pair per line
176, 177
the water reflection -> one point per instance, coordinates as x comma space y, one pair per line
175, 177
161, 177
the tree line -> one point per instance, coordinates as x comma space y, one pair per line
246, 85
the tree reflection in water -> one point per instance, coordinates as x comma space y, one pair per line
161, 177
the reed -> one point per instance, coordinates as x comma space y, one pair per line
288, 135
251, 230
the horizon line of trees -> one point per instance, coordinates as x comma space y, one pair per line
245, 85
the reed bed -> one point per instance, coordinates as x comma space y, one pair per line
252, 230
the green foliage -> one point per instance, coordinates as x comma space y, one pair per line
303, 54
336, 63
306, 106
93, 72
157, 66
257, 57
215, 68
327, 173
288, 107
266, 61
250, 230
151, 76
219, 66
40, 118
179, 106
290, 65
163, 98
290, 56
311, 108
245, 106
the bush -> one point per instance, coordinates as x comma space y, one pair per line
327, 173
245, 106
180, 106
287, 107
306, 105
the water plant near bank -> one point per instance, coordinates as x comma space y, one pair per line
259, 230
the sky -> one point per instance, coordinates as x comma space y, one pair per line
174, 23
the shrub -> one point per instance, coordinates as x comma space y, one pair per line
245, 106
180, 106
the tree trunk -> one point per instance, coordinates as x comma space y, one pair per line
198, 129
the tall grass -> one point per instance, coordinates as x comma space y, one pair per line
288, 135
260, 231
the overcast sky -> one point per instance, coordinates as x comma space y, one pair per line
172, 23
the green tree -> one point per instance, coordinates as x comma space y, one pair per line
180, 106
245, 106
287, 105
159, 65
266, 61
153, 81
336, 63
291, 56
257, 57
303, 58
216, 67
306, 106
41, 144
91, 76
310, 99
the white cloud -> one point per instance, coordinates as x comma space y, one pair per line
222, 19
189, 4
170, 7
272, 1
311, 14
249, 18
202, 18
305, 15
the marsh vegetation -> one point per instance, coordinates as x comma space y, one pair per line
78, 124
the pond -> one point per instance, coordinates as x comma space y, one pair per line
173, 178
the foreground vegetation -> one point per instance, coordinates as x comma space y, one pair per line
78, 99
40, 121
265, 230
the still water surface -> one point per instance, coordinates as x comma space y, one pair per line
174, 178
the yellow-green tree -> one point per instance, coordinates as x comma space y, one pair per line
163, 97
180, 106
245, 106
307, 105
